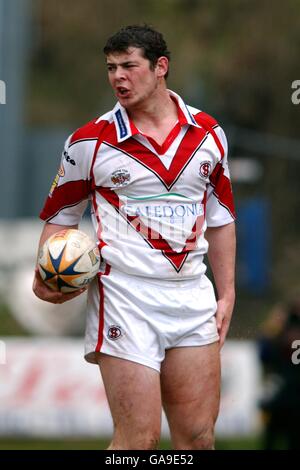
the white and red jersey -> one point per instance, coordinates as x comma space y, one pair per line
150, 203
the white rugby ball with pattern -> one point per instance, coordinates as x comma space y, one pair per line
68, 260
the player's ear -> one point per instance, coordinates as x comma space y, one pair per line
162, 66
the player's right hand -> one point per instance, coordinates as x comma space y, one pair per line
43, 292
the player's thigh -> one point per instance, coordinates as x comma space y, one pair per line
190, 382
133, 393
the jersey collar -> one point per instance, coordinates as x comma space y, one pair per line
125, 128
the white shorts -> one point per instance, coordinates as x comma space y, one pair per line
138, 318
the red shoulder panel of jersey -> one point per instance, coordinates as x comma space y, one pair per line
208, 123
204, 117
89, 131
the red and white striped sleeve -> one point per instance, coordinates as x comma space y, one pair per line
220, 204
70, 190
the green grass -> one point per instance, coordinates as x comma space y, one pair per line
100, 444
9, 326
52, 444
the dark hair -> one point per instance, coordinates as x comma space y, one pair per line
144, 37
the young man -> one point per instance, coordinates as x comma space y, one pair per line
155, 171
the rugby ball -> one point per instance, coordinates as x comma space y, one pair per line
68, 260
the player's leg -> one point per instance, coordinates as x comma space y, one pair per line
133, 393
190, 383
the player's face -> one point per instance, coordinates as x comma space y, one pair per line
131, 77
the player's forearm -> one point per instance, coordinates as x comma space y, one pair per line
40, 289
221, 256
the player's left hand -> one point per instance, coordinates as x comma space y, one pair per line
43, 292
223, 317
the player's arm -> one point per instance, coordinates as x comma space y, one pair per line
220, 234
65, 204
221, 256
40, 289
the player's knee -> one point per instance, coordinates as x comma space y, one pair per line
149, 441
199, 437
203, 438
136, 439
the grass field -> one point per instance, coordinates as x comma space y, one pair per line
94, 444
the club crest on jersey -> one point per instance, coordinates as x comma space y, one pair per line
120, 177
114, 332
205, 169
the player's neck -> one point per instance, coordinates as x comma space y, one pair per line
155, 111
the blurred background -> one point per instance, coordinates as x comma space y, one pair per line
235, 59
